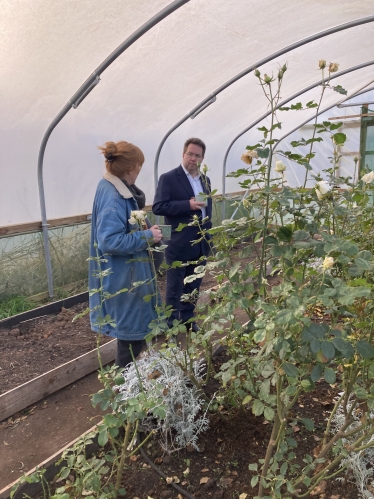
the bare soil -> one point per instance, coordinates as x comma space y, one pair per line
34, 347
218, 471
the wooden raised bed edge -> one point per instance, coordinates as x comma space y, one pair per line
50, 308
23, 396
32, 489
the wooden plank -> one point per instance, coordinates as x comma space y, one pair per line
37, 226
350, 116
67, 287
8, 230
51, 308
32, 489
36, 389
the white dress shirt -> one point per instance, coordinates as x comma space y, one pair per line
197, 187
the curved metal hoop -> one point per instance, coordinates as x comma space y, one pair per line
74, 102
302, 124
289, 99
211, 98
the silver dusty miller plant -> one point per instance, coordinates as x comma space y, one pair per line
158, 374
360, 465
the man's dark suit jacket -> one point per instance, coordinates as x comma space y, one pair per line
172, 200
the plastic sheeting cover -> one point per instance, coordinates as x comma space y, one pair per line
49, 48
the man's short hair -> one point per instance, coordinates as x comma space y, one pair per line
197, 142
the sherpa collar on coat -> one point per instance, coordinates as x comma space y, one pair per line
118, 184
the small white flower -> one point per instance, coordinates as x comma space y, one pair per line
328, 262
280, 166
368, 178
137, 217
322, 188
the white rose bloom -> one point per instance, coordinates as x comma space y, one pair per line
328, 262
137, 216
322, 188
280, 166
368, 178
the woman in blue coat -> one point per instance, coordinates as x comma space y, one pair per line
119, 260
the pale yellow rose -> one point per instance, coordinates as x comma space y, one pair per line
280, 166
322, 188
328, 262
368, 178
322, 64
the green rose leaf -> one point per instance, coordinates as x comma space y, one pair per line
329, 375
365, 349
339, 138
366, 255
103, 438
269, 413
263, 153
316, 372
344, 347
340, 90
362, 264
308, 423
291, 370
284, 316
258, 408
335, 126
328, 349
301, 235
284, 234
254, 481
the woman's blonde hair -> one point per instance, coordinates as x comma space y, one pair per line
121, 157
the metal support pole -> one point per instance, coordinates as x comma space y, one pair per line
304, 41
74, 102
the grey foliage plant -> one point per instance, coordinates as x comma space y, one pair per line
159, 373
358, 464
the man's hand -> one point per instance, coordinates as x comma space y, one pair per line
194, 205
156, 232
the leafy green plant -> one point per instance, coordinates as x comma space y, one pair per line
319, 242
14, 305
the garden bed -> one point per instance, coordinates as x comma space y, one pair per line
219, 470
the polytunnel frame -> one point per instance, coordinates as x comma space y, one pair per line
281, 104
74, 102
318, 114
359, 92
94, 79
213, 96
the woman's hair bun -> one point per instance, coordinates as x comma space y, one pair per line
110, 148
109, 151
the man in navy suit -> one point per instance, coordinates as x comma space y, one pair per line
175, 200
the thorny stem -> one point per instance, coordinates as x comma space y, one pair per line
269, 452
123, 455
137, 370
327, 431
267, 183
314, 130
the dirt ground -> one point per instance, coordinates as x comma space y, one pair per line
219, 471
36, 346
28, 350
